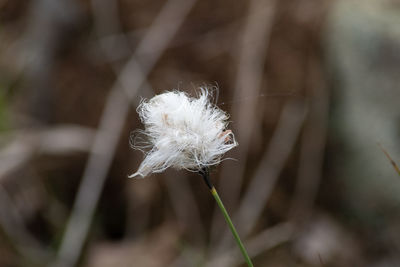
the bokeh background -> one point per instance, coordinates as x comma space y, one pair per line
313, 91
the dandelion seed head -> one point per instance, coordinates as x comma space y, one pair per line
181, 132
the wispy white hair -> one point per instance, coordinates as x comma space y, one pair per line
181, 132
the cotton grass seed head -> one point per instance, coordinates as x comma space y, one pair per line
181, 132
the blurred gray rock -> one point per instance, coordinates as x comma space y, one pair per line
362, 42
324, 242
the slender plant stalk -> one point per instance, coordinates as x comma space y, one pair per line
395, 166
206, 176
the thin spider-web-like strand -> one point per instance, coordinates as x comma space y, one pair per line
139, 140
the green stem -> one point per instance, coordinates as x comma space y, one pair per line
214, 192
231, 226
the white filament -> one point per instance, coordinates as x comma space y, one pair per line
181, 132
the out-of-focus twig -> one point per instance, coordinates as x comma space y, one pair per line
312, 145
116, 109
112, 41
44, 37
13, 226
107, 23
252, 52
185, 207
58, 140
261, 243
394, 164
271, 165
188, 257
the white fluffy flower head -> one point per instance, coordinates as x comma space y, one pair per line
181, 132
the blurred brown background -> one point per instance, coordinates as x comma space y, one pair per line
312, 88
